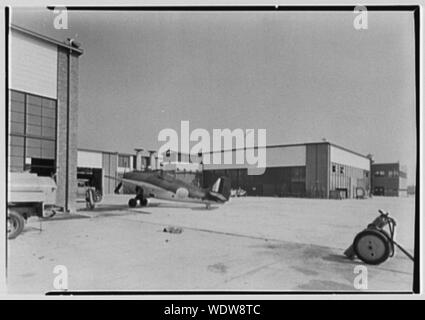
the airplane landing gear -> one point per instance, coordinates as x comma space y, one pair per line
132, 203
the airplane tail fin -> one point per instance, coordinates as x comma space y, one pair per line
221, 189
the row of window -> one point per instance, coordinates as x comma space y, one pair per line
383, 173
32, 115
32, 131
124, 161
341, 170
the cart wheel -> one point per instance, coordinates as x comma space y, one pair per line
15, 224
372, 246
132, 203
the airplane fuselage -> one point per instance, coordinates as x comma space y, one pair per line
161, 185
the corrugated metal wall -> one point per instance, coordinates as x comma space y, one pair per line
317, 170
282, 182
33, 65
350, 179
109, 165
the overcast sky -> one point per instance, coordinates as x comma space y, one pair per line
303, 76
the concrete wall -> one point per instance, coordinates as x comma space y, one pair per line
67, 128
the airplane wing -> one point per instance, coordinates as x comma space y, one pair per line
130, 181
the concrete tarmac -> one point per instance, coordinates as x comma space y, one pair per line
249, 244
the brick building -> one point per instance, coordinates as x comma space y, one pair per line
389, 179
43, 109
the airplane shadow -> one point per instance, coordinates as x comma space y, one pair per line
125, 207
339, 259
102, 208
204, 209
180, 206
113, 210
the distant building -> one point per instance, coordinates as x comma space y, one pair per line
389, 179
101, 169
182, 167
314, 170
411, 190
96, 167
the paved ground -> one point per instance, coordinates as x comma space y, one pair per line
277, 244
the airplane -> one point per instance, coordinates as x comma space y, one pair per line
161, 185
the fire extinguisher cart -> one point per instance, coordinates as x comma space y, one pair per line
374, 245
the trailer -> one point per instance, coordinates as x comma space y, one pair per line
29, 195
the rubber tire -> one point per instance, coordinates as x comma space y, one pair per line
132, 203
17, 219
379, 235
143, 202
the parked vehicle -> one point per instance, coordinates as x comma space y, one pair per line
29, 195
238, 192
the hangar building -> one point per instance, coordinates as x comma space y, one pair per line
43, 109
99, 169
389, 179
94, 167
315, 170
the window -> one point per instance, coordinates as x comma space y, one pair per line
333, 168
392, 173
32, 133
341, 170
41, 117
123, 161
379, 173
17, 115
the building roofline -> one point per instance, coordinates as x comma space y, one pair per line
290, 145
348, 150
106, 151
235, 149
45, 38
98, 151
385, 163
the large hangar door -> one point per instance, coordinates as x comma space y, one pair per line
97, 179
109, 165
91, 177
89, 169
